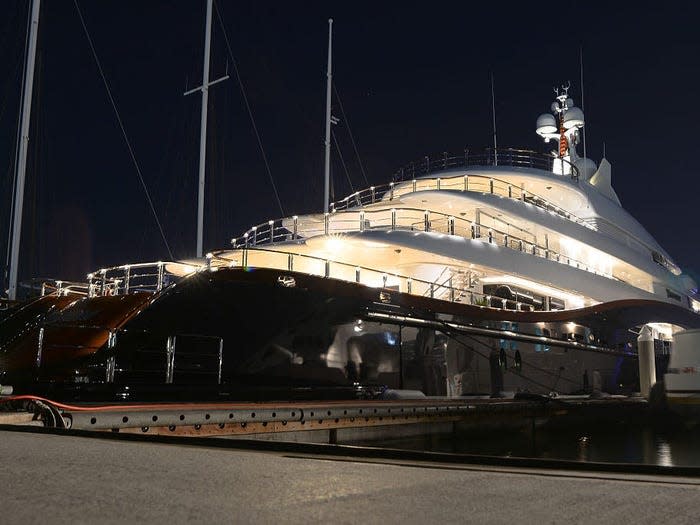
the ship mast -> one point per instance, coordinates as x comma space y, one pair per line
203, 131
22, 150
329, 80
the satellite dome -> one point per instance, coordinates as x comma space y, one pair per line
555, 107
573, 118
546, 123
569, 103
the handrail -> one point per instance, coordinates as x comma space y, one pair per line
464, 183
328, 268
275, 231
412, 219
61, 288
149, 277
488, 157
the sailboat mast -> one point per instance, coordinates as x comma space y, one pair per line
203, 132
23, 147
329, 77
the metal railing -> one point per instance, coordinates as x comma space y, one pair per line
487, 157
148, 277
372, 277
412, 219
466, 183
279, 230
57, 287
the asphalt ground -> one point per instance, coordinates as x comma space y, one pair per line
50, 478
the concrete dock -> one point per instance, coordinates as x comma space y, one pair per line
61, 479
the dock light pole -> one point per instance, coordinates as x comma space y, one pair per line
204, 88
329, 80
22, 148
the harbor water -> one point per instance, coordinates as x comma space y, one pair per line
675, 445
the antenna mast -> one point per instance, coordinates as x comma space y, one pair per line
493, 114
329, 77
23, 147
583, 108
203, 131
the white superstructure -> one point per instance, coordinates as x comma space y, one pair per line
512, 229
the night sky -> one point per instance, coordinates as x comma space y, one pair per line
413, 80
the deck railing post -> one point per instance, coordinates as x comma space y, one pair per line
372, 192
362, 221
328, 268
290, 262
451, 225
221, 358
393, 218
357, 274
127, 279
391, 191
414, 185
40, 347
271, 224
326, 223
170, 359
255, 235
491, 185
426, 220
295, 231
159, 284
452, 291
409, 285
466, 183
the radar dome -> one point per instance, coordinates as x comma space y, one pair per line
546, 123
573, 118
569, 103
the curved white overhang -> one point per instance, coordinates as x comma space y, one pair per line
579, 198
540, 222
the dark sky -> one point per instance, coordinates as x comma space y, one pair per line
413, 79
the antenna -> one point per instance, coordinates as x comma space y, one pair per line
329, 80
583, 108
493, 114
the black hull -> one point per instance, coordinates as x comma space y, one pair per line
261, 335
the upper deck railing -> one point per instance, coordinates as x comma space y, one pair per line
486, 228
466, 183
148, 277
520, 158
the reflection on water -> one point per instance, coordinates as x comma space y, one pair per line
676, 446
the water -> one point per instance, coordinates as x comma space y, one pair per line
610, 443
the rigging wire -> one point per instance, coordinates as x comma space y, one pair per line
352, 139
121, 126
342, 161
247, 105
